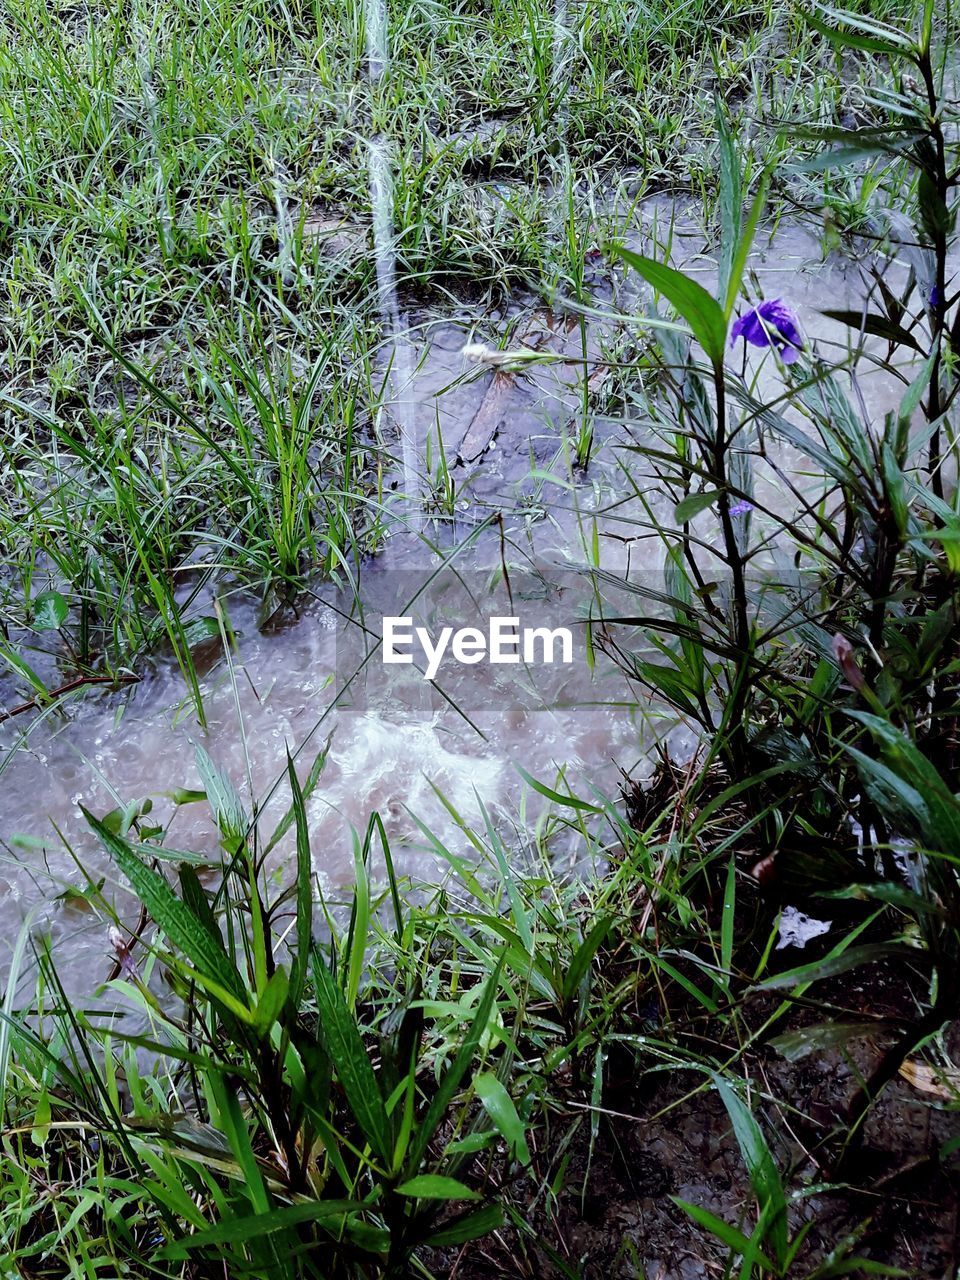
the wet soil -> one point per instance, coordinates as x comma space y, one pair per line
662, 1134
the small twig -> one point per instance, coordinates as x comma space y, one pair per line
69, 687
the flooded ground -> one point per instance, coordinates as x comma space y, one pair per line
487, 483
489, 515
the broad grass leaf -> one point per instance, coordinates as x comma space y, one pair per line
877, 325
731, 199
23, 668
724, 1232
869, 37
839, 158
839, 962
500, 1108
794, 1045
702, 312
191, 937
304, 924
232, 821
569, 802
693, 504
307, 790
744, 245
271, 1002
584, 955
237, 1230
341, 1039
469, 1227
919, 785
445, 1092
434, 1186
761, 1166
198, 631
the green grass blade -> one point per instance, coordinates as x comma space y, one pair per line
702, 313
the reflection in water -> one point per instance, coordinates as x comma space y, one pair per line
399, 380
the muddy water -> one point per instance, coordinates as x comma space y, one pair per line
394, 743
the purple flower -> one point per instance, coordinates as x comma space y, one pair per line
934, 298
741, 508
770, 324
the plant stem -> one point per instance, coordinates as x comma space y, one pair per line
741, 617
938, 304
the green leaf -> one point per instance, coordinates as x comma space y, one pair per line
877, 325
366, 1236
222, 796
499, 1107
888, 44
895, 489
840, 158
731, 200
472, 1142
236, 1230
584, 955
830, 966
176, 920
340, 1036
469, 1227
726, 924
443, 1095
234, 1126
693, 504
307, 790
199, 630
789, 431
744, 245
761, 1166
668, 682
913, 395
794, 1045
23, 668
541, 788
935, 216
50, 611
183, 857
271, 1002
304, 887
702, 312
726, 1234
926, 28
939, 809
434, 1186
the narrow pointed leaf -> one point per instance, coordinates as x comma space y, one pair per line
701, 311
181, 926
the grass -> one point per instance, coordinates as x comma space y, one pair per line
429, 1081
193, 364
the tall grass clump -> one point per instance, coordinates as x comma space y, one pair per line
284, 1112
